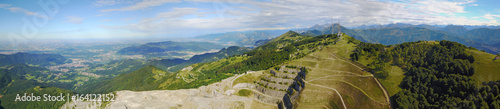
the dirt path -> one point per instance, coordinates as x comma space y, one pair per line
362, 91
341, 99
336, 75
385, 92
378, 82
238, 76
371, 75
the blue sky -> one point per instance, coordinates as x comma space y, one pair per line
29, 20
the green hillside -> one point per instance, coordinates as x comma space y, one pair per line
209, 57
165, 64
281, 41
145, 78
32, 59
487, 68
261, 42
200, 74
19, 77
117, 67
440, 74
10, 83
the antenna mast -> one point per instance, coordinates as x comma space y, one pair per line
332, 25
339, 34
322, 29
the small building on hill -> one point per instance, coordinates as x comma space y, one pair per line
497, 58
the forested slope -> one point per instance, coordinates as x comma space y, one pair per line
437, 74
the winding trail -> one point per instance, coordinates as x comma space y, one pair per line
341, 99
341, 59
378, 82
336, 75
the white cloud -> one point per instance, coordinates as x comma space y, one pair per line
440, 6
178, 12
4, 5
288, 14
20, 10
17, 9
474, 5
165, 21
74, 19
142, 5
490, 16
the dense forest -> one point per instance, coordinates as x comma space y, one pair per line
438, 75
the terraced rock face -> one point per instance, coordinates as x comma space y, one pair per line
285, 85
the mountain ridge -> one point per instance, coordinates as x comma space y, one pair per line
399, 33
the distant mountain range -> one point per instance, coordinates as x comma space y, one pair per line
433, 27
486, 39
242, 39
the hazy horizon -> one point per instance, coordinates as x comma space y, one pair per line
112, 19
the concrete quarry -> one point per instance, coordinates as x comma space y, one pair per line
216, 95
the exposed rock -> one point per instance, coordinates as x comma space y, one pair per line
218, 95
291, 85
